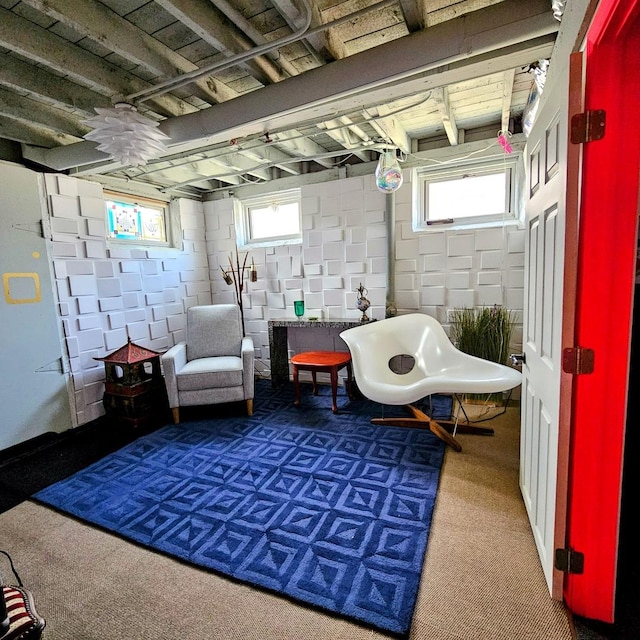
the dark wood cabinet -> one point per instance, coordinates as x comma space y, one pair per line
134, 391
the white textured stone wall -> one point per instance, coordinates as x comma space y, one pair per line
108, 294
345, 244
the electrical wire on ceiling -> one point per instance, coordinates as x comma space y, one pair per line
263, 139
119, 147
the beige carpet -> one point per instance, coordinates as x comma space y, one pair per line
481, 580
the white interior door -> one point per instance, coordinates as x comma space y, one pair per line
542, 324
33, 393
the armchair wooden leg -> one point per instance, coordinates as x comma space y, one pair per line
250, 407
421, 420
176, 414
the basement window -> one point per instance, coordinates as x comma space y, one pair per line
479, 194
270, 219
139, 221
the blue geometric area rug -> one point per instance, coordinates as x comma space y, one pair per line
326, 509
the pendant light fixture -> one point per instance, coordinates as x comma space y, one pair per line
388, 172
125, 135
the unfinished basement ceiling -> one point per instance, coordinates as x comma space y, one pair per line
250, 91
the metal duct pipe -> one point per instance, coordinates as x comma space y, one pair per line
304, 31
390, 210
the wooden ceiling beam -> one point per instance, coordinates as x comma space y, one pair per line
28, 111
98, 23
209, 24
28, 133
388, 127
412, 12
507, 92
272, 156
491, 40
184, 174
54, 52
298, 145
441, 98
314, 43
56, 90
278, 58
341, 130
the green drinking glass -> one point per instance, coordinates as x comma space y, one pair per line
298, 308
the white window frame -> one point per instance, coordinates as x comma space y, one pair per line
160, 205
242, 213
424, 176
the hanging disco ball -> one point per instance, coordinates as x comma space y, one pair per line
388, 173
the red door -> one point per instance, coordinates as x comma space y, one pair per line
606, 269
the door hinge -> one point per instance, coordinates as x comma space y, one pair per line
569, 561
588, 126
577, 360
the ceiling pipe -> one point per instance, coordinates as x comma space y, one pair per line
186, 78
391, 308
446, 43
191, 157
531, 33
249, 144
244, 25
268, 165
300, 34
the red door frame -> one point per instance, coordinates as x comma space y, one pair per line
606, 270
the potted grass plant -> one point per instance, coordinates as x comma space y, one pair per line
484, 332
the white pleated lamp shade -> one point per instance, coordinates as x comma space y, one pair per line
125, 135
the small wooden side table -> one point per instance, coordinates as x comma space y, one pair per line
325, 361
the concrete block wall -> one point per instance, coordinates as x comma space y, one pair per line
345, 243
108, 293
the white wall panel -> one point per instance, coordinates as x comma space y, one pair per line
112, 292
345, 244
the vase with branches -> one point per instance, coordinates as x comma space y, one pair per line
236, 275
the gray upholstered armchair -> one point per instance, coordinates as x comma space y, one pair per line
214, 365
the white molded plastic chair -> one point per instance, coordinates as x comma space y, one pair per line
214, 365
438, 368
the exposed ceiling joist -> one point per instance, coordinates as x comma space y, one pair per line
53, 51
507, 93
441, 98
314, 43
210, 25
388, 127
26, 111
243, 88
300, 146
51, 89
257, 38
344, 131
93, 20
20, 131
434, 56
412, 12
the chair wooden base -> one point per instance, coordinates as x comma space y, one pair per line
421, 420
